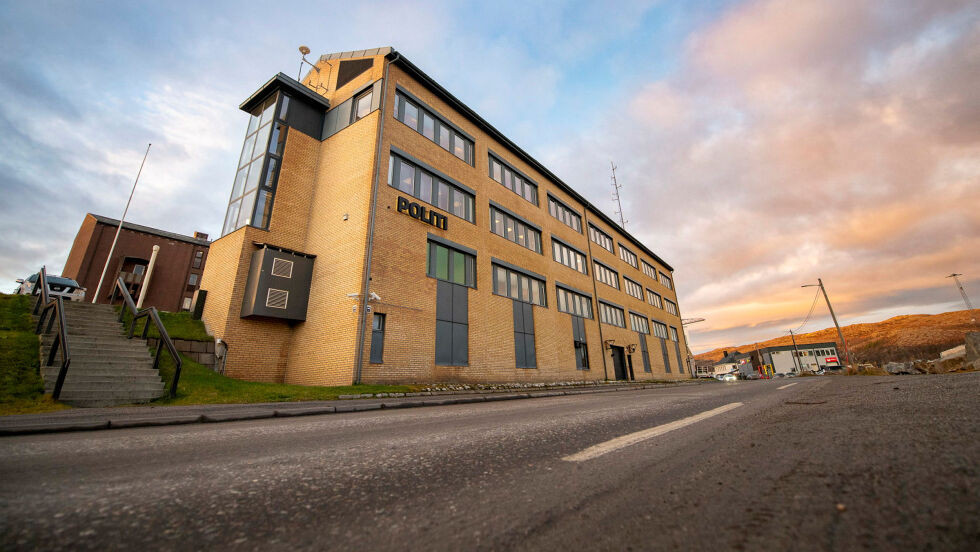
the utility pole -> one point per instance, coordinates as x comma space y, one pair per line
619, 204
840, 334
108, 259
796, 358
966, 300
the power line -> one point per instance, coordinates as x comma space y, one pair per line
807, 319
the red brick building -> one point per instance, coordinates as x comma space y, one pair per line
176, 274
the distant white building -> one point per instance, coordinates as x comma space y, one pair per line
804, 358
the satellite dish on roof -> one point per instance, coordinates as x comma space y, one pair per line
304, 50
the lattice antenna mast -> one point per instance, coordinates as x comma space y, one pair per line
615, 195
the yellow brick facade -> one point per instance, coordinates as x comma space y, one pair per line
322, 207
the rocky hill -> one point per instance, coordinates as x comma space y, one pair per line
902, 338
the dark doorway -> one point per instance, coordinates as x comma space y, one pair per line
619, 362
629, 365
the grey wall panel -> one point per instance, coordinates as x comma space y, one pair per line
461, 349
444, 343
377, 347
444, 301
518, 317
663, 349
261, 280
460, 304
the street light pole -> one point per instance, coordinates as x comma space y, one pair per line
840, 334
966, 300
796, 357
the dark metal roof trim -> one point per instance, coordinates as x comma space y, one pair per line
459, 106
284, 250
283, 82
148, 230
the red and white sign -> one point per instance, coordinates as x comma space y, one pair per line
830, 359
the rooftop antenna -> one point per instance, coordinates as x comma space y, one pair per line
304, 50
615, 195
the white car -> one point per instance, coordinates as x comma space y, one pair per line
57, 286
726, 377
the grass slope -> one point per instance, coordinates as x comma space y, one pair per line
21, 386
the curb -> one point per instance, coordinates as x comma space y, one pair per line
438, 398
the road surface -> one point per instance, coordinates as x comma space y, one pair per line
821, 463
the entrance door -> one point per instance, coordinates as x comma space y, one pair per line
619, 362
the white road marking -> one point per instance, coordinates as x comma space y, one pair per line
596, 451
787, 385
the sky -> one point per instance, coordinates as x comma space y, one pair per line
761, 144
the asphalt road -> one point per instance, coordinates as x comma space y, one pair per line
828, 463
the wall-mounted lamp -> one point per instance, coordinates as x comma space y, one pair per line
631, 348
607, 344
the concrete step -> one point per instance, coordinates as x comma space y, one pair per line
84, 363
148, 376
106, 348
102, 403
49, 372
109, 392
94, 340
129, 387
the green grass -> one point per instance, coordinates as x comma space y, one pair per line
180, 325
200, 385
21, 386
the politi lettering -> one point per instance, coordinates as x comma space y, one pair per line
418, 211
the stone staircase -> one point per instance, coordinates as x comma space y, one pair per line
107, 369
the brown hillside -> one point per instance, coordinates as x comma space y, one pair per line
896, 339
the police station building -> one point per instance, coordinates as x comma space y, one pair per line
380, 231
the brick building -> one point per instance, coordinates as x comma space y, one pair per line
379, 230
176, 274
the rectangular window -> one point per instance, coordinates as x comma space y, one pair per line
660, 329
568, 256
579, 341
192, 281
633, 288
665, 280
254, 187
512, 180
649, 270
611, 315
513, 284
561, 212
515, 230
362, 105
452, 324
671, 306
573, 303
639, 324
451, 265
433, 126
524, 352
628, 256
186, 304
654, 299
606, 275
377, 338
198, 259
601, 238
673, 333
421, 184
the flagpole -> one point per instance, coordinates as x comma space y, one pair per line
95, 296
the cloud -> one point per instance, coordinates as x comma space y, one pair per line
797, 140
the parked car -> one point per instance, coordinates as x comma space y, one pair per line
728, 377
57, 286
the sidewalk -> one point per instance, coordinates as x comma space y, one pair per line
83, 419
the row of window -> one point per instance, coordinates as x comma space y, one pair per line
458, 267
432, 127
512, 180
568, 256
513, 284
561, 212
514, 230
440, 132
421, 184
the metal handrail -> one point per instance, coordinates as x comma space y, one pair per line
41, 307
152, 315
